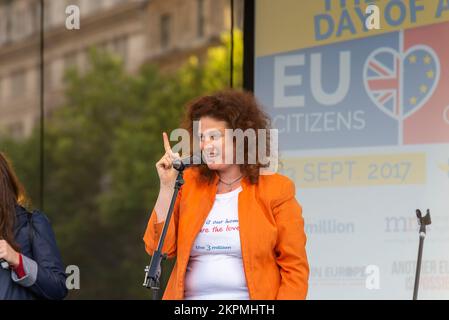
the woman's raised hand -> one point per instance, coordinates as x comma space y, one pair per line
167, 174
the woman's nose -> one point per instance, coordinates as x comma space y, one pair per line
206, 144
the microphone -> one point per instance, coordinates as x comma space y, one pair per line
193, 160
423, 221
4, 264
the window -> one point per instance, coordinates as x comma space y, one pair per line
165, 30
16, 130
103, 47
3, 24
72, 2
48, 79
120, 47
18, 83
95, 5
200, 18
1, 88
48, 7
35, 16
18, 26
6, 26
70, 61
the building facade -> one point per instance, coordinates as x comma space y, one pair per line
164, 32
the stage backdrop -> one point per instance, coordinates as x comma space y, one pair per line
363, 119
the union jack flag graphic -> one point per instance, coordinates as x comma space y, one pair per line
383, 75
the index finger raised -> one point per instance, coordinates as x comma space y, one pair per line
166, 142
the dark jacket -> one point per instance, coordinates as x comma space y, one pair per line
45, 275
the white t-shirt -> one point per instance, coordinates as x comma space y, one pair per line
215, 269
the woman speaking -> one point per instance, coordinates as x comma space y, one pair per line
237, 234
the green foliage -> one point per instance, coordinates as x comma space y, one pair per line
100, 151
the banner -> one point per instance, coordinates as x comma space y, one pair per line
363, 120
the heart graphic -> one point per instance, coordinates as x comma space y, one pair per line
400, 84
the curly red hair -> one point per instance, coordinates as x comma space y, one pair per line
240, 110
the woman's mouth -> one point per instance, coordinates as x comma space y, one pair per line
211, 156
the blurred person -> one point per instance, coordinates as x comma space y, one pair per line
31, 266
236, 234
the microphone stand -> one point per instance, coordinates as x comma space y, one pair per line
423, 222
153, 271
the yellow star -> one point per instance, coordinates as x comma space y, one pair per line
430, 74
413, 100
427, 59
423, 88
412, 59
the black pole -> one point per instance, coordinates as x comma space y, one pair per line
248, 45
423, 222
231, 67
42, 110
153, 271
418, 268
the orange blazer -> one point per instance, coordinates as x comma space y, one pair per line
271, 234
